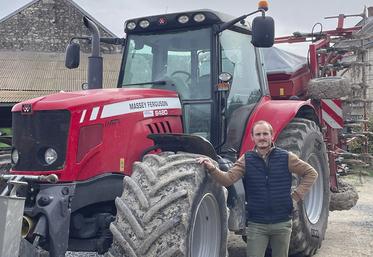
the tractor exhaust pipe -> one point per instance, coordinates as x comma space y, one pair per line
95, 62
27, 225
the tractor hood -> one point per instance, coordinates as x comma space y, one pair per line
89, 98
92, 132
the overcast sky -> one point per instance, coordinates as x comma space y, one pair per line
289, 15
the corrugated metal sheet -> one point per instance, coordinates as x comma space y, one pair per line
19, 96
31, 74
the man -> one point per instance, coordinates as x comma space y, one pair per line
266, 173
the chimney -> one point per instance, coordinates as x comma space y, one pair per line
370, 11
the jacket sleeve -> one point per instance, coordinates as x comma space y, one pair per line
234, 174
307, 174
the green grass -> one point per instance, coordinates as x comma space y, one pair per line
370, 172
8, 132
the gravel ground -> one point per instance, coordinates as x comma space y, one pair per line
349, 233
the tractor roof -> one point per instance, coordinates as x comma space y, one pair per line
171, 21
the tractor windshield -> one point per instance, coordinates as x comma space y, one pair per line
177, 60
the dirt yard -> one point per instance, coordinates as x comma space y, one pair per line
349, 233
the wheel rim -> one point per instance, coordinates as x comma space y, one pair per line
313, 201
206, 228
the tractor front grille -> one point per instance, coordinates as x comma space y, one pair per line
35, 132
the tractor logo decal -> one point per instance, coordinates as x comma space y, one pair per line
26, 108
147, 106
150, 107
83, 115
94, 113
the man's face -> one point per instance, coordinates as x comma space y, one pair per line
262, 136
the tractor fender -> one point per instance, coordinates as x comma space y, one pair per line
182, 142
278, 113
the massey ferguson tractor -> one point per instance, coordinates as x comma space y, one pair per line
113, 170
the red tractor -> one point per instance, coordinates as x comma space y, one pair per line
190, 84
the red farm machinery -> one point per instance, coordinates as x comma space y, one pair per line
113, 170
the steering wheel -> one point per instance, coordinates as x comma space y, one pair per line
182, 72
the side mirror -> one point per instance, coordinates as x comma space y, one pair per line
72, 58
263, 31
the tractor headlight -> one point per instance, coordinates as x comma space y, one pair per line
225, 76
183, 19
15, 156
131, 25
144, 24
199, 17
50, 156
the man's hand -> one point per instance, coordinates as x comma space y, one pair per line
206, 162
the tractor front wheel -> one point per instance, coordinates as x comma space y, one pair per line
170, 207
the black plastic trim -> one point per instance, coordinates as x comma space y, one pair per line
184, 143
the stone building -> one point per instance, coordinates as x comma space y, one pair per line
32, 46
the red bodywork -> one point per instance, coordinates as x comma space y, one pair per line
104, 147
283, 86
277, 112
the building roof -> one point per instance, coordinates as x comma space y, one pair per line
84, 13
25, 75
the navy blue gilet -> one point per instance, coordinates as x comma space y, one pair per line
268, 187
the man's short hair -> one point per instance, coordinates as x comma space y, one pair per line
262, 122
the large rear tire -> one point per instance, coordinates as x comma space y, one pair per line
170, 207
310, 219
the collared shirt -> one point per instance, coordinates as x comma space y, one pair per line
265, 157
297, 166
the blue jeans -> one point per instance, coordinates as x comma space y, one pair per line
277, 235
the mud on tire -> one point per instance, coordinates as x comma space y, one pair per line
170, 207
328, 88
310, 218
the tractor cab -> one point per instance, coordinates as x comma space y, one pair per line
207, 59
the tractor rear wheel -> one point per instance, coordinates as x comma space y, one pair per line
170, 207
310, 218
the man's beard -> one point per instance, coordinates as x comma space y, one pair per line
268, 145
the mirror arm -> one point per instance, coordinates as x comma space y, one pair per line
106, 40
230, 23
80, 38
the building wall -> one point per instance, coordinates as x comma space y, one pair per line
45, 26
369, 77
354, 111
